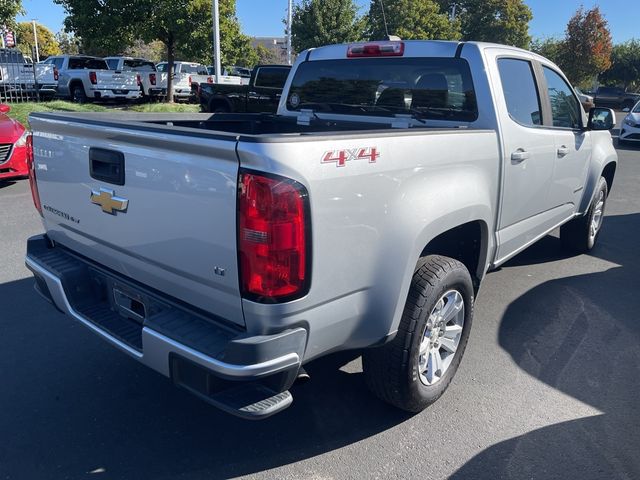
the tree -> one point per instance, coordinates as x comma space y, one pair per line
324, 22
9, 9
153, 50
410, 19
499, 21
551, 48
183, 26
266, 55
47, 43
69, 45
587, 46
625, 65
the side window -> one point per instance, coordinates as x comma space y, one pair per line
565, 108
58, 62
520, 91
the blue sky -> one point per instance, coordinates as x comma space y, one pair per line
264, 17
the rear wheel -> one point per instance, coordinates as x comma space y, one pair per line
415, 368
78, 94
216, 106
581, 233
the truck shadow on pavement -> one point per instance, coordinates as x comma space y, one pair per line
71, 405
581, 336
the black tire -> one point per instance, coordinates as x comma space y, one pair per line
216, 106
78, 94
577, 235
628, 104
392, 371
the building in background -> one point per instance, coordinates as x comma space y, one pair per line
276, 45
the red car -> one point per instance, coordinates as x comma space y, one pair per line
13, 146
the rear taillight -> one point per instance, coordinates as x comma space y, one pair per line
152, 78
32, 175
93, 77
376, 49
139, 79
56, 74
209, 80
273, 238
189, 80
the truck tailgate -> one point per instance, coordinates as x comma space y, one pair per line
177, 231
117, 80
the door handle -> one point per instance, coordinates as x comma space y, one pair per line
562, 151
520, 156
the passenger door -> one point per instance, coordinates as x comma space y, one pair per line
573, 144
529, 152
266, 89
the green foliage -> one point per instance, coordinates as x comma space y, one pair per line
9, 9
625, 66
153, 50
499, 21
325, 22
410, 19
69, 45
267, 56
47, 42
551, 48
587, 46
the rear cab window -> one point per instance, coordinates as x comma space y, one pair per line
138, 65
433, 88
87, 63
271, 77
520, 91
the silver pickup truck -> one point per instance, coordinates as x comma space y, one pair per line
226, 251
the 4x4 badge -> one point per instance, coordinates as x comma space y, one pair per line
341, 157
108, 201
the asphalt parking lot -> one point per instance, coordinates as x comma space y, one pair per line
549, 386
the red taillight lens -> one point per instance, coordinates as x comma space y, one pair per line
152, 78
93, 77
273, 237
56, 74
189, 80
378, 49
32, 175
139, 80
209, 80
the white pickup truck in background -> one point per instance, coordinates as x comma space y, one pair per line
81, 77
20, 78
149, 79
183, 73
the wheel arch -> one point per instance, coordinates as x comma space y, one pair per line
219, 100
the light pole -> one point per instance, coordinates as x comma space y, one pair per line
215, 14
289, 22
35, 38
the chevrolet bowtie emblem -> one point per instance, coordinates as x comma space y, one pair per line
108, 201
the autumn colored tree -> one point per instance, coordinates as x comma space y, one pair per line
498, 21
325, 22
47, 42
587, 46
410, 19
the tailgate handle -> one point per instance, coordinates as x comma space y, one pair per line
106, 165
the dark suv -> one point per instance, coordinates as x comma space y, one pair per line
615, 97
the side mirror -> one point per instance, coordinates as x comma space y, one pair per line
601, 119
4, 108
626, 109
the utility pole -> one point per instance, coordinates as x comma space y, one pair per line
215, 14
289, 22
35, 39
